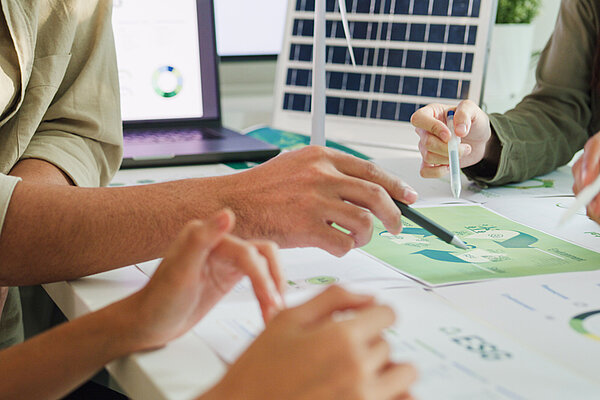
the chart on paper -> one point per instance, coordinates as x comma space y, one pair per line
498, 248
557, 314
460, 358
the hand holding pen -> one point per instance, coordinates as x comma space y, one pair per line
471, 125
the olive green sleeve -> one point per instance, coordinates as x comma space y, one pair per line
551, 124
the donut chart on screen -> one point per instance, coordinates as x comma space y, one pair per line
577, 323
167, 81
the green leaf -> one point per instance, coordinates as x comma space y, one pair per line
517, 11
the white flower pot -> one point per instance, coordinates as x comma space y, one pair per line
508, 64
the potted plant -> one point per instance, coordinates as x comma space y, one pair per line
510, 52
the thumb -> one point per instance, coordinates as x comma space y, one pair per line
196, 241
331, 300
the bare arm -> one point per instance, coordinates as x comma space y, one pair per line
293, 199
203, 264
61, 359
73, 232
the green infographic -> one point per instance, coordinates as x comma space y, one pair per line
498, 248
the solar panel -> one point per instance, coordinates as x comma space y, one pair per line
408, 53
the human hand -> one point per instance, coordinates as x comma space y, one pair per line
585, 172
202, 265
295, 198
471, 124
308, 353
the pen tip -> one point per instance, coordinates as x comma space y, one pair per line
459, 243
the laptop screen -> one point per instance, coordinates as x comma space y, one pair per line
166, 59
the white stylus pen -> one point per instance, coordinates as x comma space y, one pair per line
582, 200
453, 143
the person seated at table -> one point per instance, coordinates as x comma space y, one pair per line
303, 353
545, 129
61, 138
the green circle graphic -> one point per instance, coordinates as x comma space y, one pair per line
577, 324
167, 69
322, 280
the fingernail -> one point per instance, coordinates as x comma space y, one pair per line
279, 301
461, 128
410, 194
271, 313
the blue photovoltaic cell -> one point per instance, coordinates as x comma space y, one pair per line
377, 83
388, 110
420, 7
472, 35
449, 88
350, 107
417, 33
391, 84
429, 87
440, 7
374, 109
406, 111
402, 7
335, 80
460, 8
410, 86
362, 6
464, 90
437, 33
453, 62
395, 58
413, 59
456, 34
353, 81
332, 105
407, 55
433, 60
468, 62
398, 32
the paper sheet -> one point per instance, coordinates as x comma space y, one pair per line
543, 214
437, 191
144, 176
498, 248
460, 358
236, 320
457, 357
558, 315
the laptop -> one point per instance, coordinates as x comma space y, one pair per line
166, 54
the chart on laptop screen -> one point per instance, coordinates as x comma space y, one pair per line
158, 59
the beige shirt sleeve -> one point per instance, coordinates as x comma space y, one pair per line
7, 186
80, 131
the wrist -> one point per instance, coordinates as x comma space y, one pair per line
124, 323
487, 167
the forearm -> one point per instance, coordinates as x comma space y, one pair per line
54, 232
54, 363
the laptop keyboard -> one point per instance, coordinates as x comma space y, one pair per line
171, 136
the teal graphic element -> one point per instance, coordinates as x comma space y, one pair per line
441, 255
523, 241
289, 141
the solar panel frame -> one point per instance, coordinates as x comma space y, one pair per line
402, 62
